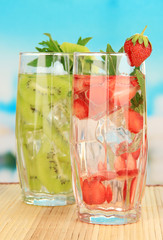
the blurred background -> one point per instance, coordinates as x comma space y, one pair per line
22, 24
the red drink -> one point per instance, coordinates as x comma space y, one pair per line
108, 148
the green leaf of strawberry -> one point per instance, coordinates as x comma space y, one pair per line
138, 48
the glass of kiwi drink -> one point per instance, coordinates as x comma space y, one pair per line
42, 128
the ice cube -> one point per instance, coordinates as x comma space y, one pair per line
89, 155
84, 130
33, 140
109, 134
58, 69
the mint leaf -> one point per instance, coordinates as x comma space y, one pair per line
113, 64
134, 71
140, 109
53, 44
37, 63
41, 49
33, 63
112, 60
83, 41
141, 80
121, 50
137, 100
109, 49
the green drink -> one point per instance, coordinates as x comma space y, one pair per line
42, 130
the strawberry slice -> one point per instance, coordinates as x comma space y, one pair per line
136, 154
102, 166
94, 192
124, 190
142, 186
80, 109
133, 190
131, 163
123, 80
122, 89
124, 155
127, 167
97, 94
79, 83
82, 82
134, 121
109, 194
100, 176
94, 80
134, 82
104, 175
119, 164
127, 173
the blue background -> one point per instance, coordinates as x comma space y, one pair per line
22, 24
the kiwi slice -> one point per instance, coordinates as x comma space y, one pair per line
37, 97
40, 89
54, 135
54, 174
28, 114
38, 94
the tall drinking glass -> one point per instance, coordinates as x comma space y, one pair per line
42, 128
108, 138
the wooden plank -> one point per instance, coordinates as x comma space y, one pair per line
159, 205
144, 218
154, 208
27, 222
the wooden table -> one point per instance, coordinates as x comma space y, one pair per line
20, 221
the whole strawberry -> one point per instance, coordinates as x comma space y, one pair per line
138, 48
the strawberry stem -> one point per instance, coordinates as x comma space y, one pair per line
143, 30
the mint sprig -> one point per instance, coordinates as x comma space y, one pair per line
137, 102
141, 80
49, 45
83, 41
112, 59
52, 45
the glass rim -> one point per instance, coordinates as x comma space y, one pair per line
44, 53
99, 53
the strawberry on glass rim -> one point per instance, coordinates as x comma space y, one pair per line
138, 48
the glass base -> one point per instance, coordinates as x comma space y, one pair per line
110, 217
48, 200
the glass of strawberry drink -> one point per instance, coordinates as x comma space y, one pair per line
108, 138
